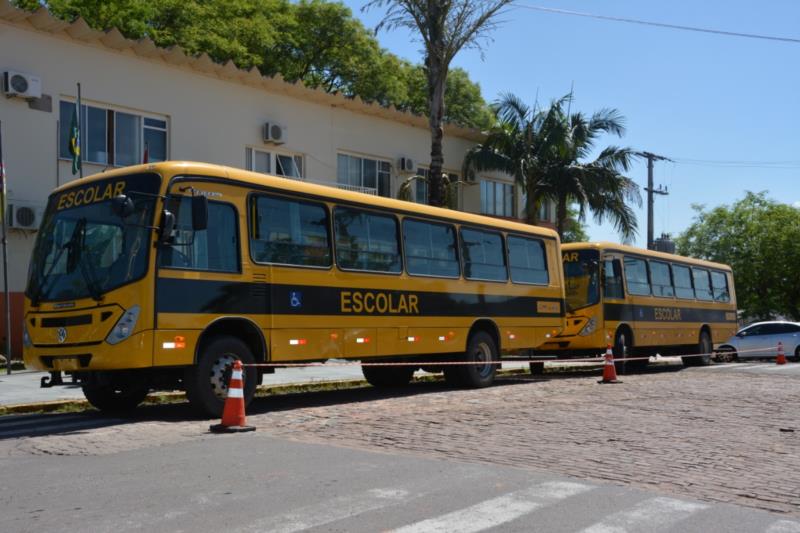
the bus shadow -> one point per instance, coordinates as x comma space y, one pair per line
35, 425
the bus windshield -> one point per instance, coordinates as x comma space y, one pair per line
581, 278
84, 248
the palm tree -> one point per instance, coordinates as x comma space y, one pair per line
445, 27
545, 151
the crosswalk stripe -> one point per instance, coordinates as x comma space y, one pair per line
653, 515
491, 513
784, 526
329, 511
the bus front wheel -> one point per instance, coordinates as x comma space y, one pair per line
483, 358
207, 382
111, 392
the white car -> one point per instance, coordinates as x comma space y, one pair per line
761, 340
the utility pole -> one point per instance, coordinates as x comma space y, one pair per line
651, 157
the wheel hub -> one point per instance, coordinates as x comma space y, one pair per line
221, 375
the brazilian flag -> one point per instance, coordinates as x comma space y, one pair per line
75, 141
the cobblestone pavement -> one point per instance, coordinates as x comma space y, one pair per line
718, 436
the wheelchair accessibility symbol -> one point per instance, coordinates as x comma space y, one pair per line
296, 299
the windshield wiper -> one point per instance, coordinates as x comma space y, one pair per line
39, 291
86, 268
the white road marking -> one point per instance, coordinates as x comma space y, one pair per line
784, 526
491, 513
652, 515
328, 511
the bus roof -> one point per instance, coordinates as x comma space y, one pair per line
257, 179
612, 246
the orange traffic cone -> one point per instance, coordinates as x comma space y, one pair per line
609, 370
233, 418
781, 359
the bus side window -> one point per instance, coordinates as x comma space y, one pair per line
636, 276
661, 279
612, 280
702, 284
719, 285
683, 282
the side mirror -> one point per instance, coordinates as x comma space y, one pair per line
122, 206
199, 213
167, 225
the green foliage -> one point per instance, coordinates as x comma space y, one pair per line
574, 228
759, 238
545, 150
317, 42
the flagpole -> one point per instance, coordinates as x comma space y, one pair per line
5, 257
80, 151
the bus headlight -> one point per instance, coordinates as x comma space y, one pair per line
589, 328
124, 327
26, 337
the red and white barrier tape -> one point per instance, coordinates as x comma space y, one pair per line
599, 359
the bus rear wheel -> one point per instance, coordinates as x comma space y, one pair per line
207, 382
704, 349
111, 392
388, 376
481, 348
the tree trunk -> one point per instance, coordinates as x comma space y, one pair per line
530, 207
561, 216
437, 80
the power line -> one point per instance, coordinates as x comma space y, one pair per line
769, 165
660, 24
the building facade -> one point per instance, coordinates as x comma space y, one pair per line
144, 103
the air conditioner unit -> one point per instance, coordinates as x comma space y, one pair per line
24, 215
21, 84
274, 133
406, 164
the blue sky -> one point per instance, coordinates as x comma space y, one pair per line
685, 95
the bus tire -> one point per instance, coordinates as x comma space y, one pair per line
622, 344
383, 377
207, 382
115, 394
704, 346
481, 347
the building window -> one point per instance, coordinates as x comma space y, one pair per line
497, 198
286, 165
363, 173
111, 137
419, 189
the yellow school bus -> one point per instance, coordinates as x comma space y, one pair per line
159, 276
643, 302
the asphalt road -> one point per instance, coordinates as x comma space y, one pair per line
256, 482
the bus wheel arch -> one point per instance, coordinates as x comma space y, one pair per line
245, 330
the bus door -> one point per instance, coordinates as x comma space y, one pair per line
200, 269
614, 308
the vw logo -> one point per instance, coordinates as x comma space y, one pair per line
61, 335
